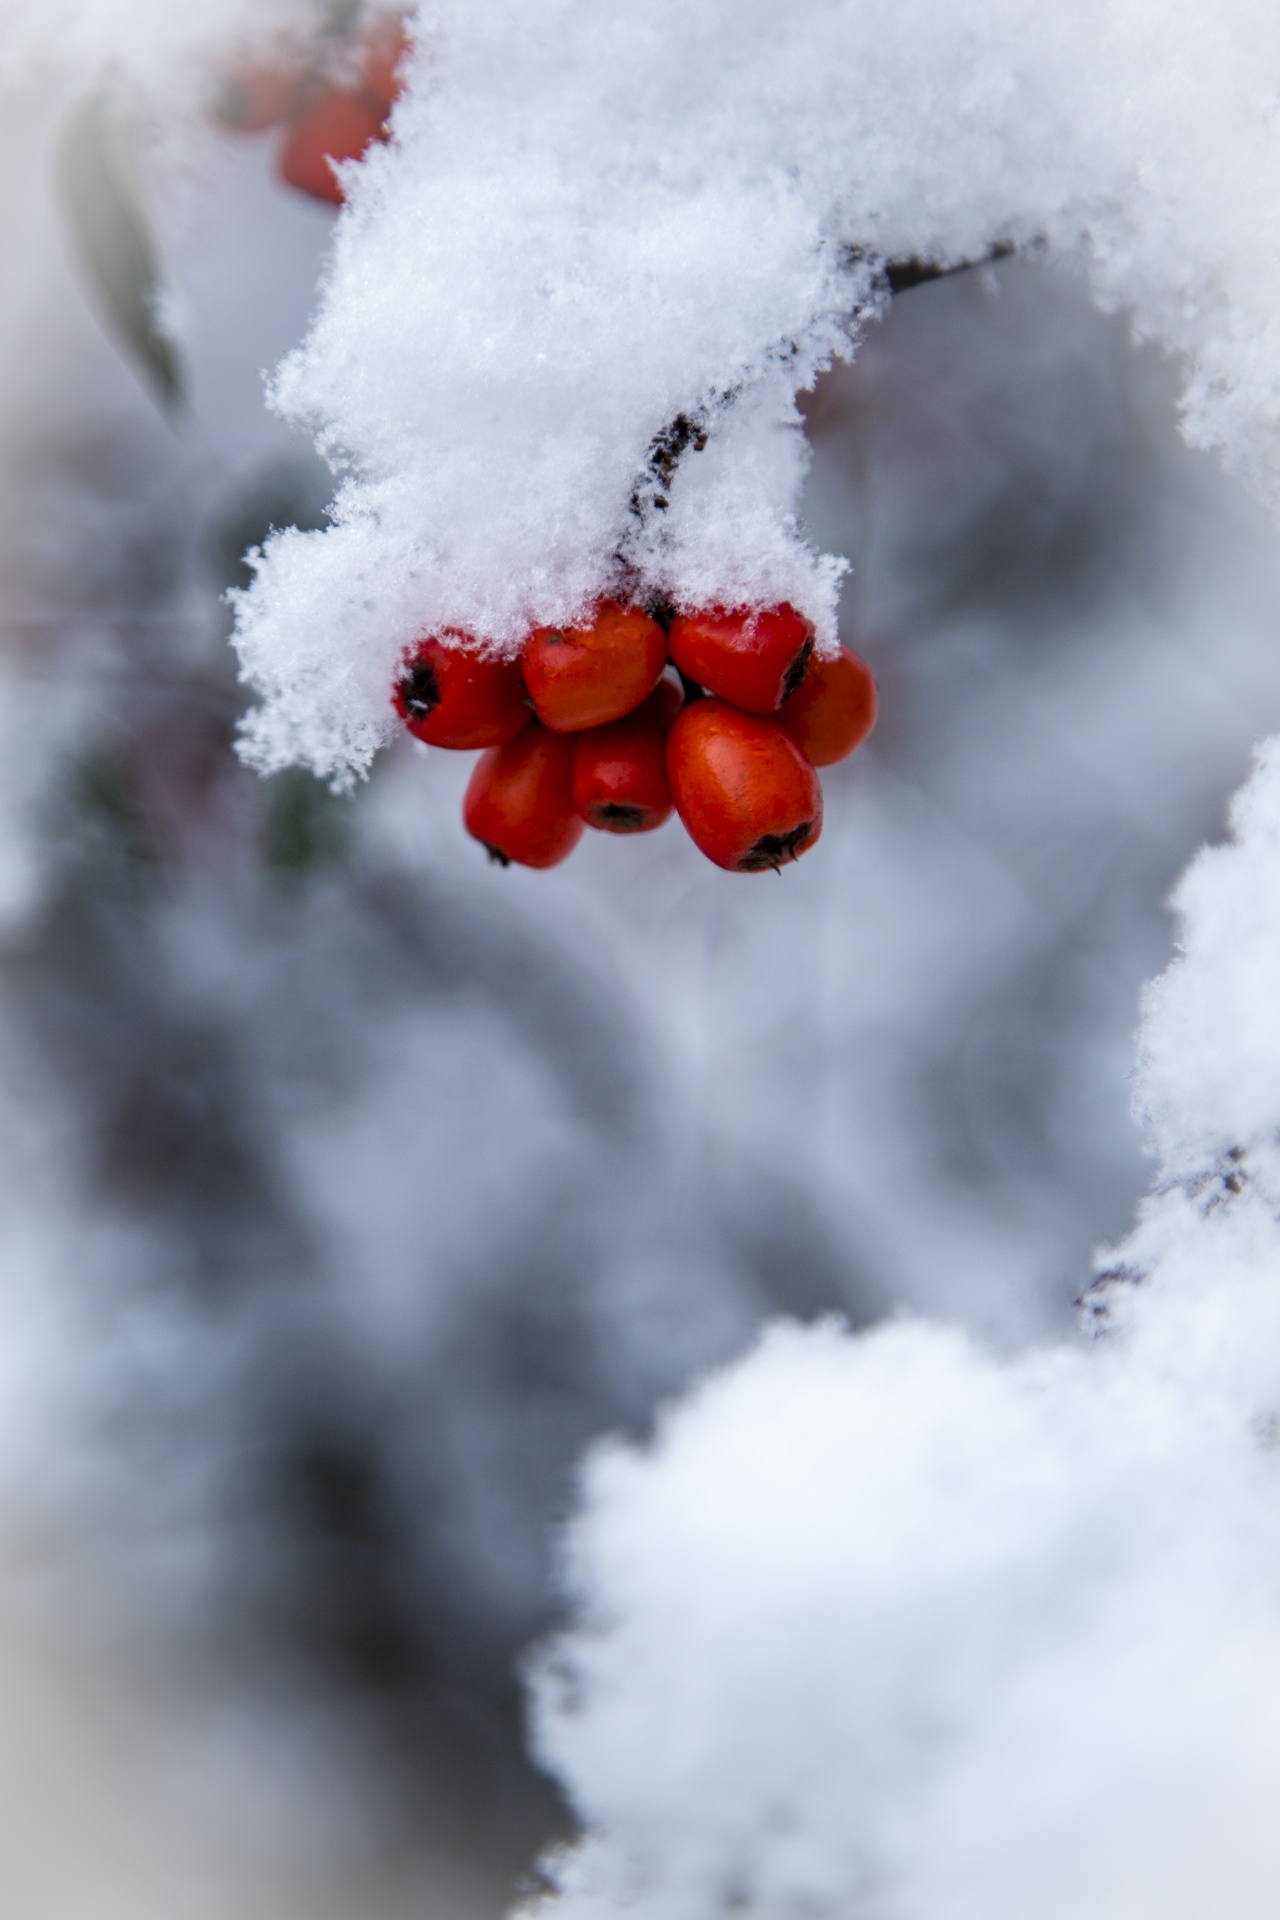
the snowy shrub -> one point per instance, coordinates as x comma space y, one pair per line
882, 1623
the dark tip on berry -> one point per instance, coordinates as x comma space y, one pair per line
660, 608
497, 857
419, 690
616, 817
798, 669
772, 850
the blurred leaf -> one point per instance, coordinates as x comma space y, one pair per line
292, 490
305, 827
114, 240
100, 825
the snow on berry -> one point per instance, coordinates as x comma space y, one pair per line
570, 309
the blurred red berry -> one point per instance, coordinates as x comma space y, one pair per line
745, 792
451, 697
330, 124
255, 99
586, 676
519, 804
753, 656
833, 709
384, 50
620, 771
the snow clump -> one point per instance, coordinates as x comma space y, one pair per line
599, 229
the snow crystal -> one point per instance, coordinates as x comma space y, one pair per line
1208, 1082
594, 224
887, 1625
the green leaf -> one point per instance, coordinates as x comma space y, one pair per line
114, 241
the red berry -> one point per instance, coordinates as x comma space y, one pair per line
833, 709
753, 656
620, 771
384, 50
744, 790
455, 698
520, 800
586, 676
331, 123
253, 100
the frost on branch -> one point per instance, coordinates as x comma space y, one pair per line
596, 221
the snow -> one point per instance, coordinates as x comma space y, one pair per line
1211, 1060
591, 225
887, 1626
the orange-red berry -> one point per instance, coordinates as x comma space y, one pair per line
752, 656
330, 124
620, 771
520, 800
453, 697
747, 795
384, 50
833, 709
256, 98
586, 676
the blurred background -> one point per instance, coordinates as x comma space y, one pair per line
352, 1187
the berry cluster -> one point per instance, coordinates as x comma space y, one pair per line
590, 728
327, 117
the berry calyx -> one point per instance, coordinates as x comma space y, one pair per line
256, 98
331, 124
451, 697
620, 780
746, 794
586, 676
752, 656
519, 803
384, 50
833, 709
